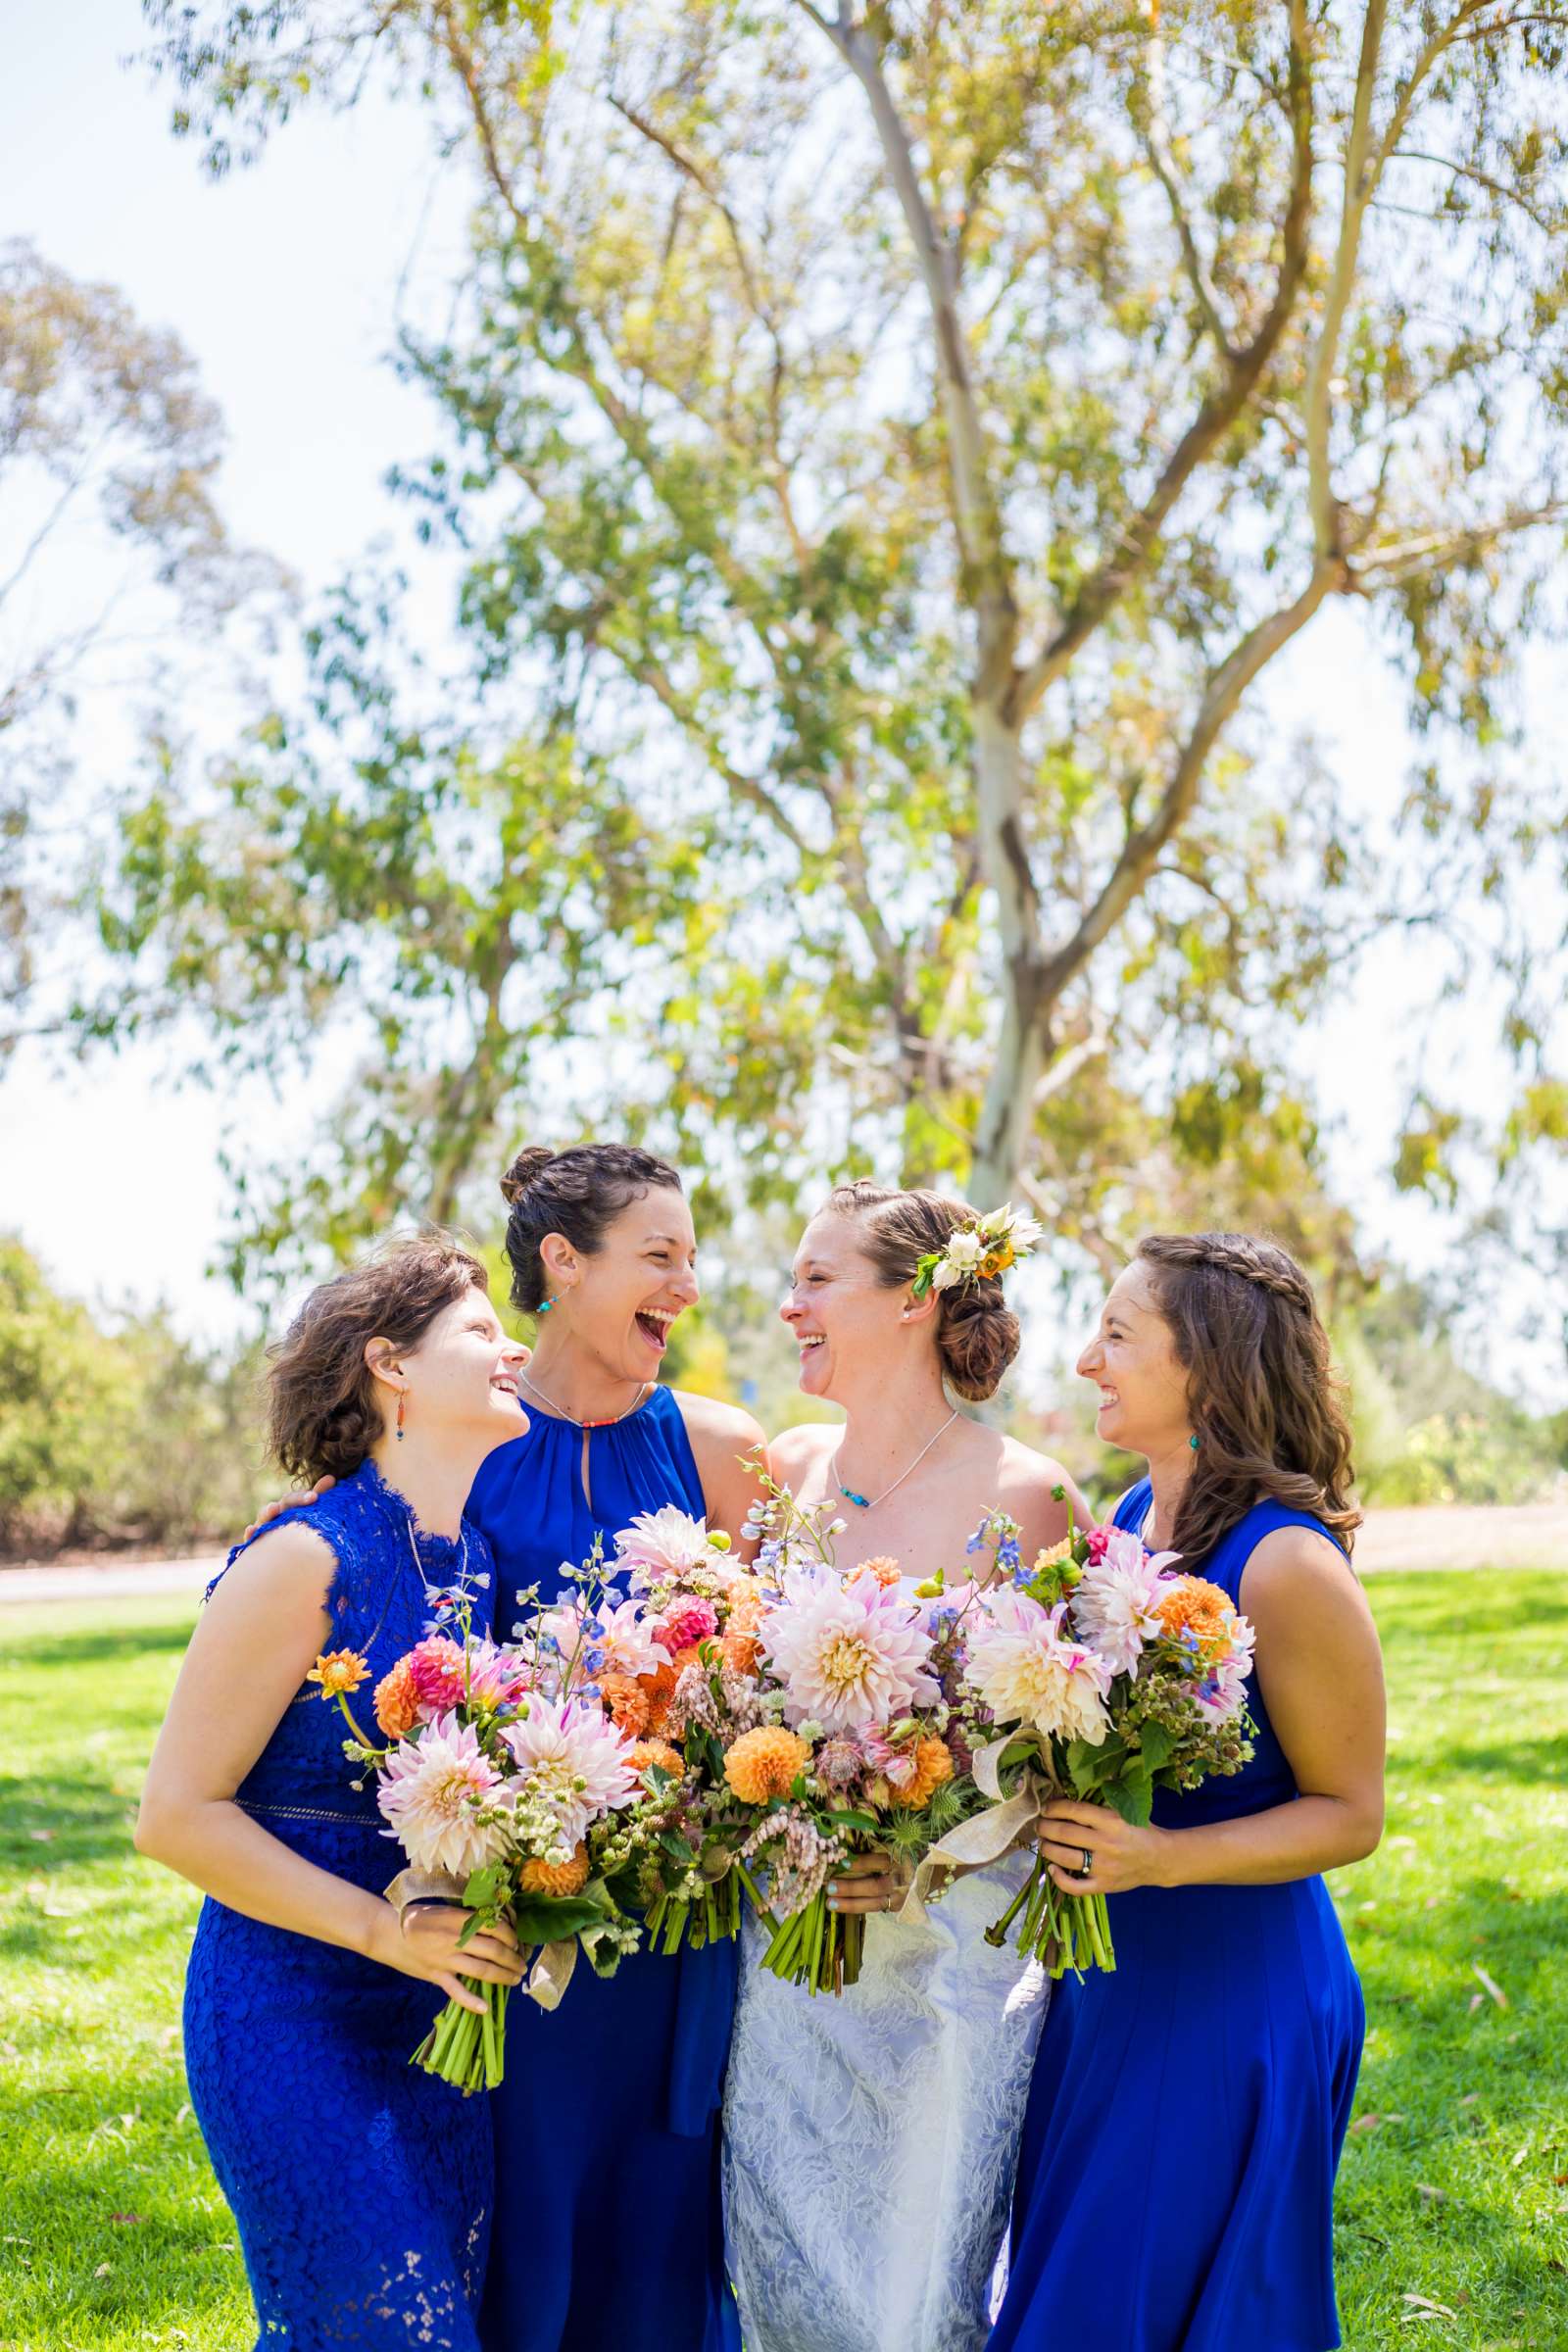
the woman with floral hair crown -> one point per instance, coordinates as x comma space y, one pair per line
869, 2142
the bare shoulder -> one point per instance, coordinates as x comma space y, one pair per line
798, 1449
293, 1565
715, 1422
1295, 1571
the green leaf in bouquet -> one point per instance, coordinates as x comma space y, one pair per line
854, 1821
1133, 1798
677, 1847
1086, 1765
1156, 1744
485, 1887
552, 1918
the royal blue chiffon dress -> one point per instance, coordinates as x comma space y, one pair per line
361, 2185
609, 2232
1175, 2187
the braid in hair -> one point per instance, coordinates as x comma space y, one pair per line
1261, 1388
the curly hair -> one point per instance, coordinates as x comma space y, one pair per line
1261, 1388
324, 1411
578, 1193
977, 1332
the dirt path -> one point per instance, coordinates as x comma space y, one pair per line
1445, 1536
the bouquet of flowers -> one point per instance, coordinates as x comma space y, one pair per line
852, 1747
496, 1769
1104, 1674
675, 1664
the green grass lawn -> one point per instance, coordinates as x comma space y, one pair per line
1453, 2197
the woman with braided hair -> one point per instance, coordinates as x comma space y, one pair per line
1176, 2182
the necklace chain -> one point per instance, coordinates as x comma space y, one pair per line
534, 1390
868, 1502
461, 1579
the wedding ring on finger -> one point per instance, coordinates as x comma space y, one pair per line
1086, 1868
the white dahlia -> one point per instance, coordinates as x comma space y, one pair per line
667, 1542
1114, 1607
434, 1791
848, 1655
1026, 1673
572, 1759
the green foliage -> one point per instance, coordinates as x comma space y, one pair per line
127, 1436
1426, 1429
888, 554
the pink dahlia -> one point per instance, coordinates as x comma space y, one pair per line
436, 1666
496, 1678
848, 1654
1114, 1606
686, 1623
1025, 1672
432, 1790
574, 1760
621, 1641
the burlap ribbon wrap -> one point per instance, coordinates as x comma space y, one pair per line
551, 1972
975, 1844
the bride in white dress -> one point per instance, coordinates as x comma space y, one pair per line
870, 2140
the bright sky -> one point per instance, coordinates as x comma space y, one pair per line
284, 281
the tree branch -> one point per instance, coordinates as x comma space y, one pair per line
1381, 566
1157, 148
1361, 169
1104, 587
1142, 849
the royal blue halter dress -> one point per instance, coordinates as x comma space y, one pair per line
609, 2232
1175, 2187
361, 2185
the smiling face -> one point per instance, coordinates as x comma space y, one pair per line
844, 1317
1133, 1362
622, 1300
460, 1379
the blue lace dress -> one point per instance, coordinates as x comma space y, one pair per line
609, 2232
1175, 2188
361, 2185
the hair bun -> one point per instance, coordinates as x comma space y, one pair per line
978, 1337
531, 1162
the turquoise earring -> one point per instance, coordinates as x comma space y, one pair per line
1193, 1441
543, 1309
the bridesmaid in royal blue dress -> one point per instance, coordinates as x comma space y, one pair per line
609, 2232
1175, 2188
360, 2187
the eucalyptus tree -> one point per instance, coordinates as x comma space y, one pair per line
910, 435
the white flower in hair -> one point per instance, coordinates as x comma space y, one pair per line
982, 1250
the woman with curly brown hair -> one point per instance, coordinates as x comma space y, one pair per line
362, 2188
1176, 2184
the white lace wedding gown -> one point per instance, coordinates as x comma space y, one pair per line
870, 2140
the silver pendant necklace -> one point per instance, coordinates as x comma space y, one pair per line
460, 1582
868, 1502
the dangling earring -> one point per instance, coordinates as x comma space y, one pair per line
544, 1307
401, 1401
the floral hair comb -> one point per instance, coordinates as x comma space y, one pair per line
980, 1251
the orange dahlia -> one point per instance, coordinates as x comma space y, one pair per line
933, 1764
647, 1752
397, 1701
1191, 1605
539, 1877
885, 1568
742, 1650
764, 1763
747, 1609
337, 1671
627, 1701
690, 1654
